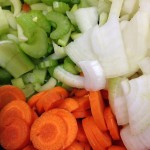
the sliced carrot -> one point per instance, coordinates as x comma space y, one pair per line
34, 115
113, 147
34, 99
18, 109
104, 94
81, 134
29, 147
71, 123
75, 146
111, 124
40, 106
69, 104
48, 132
98, 140
9, 93
81, 114
54, 97
84, 103
81, 92
25, 7
86, 145
72, 92
97, 109
15, 134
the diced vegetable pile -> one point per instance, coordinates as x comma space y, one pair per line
61, 55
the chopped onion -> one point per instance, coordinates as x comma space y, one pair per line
108, 46
135, 142
94, 75
86, 18
80, 49
117, 100
144, 65
138, 104
135, 37
69, 79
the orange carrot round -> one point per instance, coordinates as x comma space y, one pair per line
18, 109
81, 114
9, 93
34, 99
113, 147
15, 134
71, 124
48, 132
111, 124
81, 134
81, 92
97, 109
69, 104
52, 97
98, 140
75, 146
29, 147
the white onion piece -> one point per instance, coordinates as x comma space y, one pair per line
80, 49
108, 46
69, 79
135, 142
17, 6
117, 100
138, 104
94, 75
135, 36
86, 18
144, 65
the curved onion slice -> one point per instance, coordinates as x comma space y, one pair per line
86, 18
135, 142
138, 104
117, 100
135, 37
94, 75
80, 49
144, 65
108, 46
70, 79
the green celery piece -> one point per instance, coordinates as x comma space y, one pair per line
104, 6
51, 70
71, 2
13, 60
4, 26
31, 1
29, 90
49, 2
38, 46
62, 22
41, 20
31, 20
70, 68
4, 3
18, 82
61, 7
5, 77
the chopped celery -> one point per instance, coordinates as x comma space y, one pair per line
103, 18
5, 76
48, 62
41, 6
28, 90
18, 82
13, 60
70, 68
31, 20
4, 27
62, 24
104, 6
31, 1
51, 70
38, 46
48, 2
61, 7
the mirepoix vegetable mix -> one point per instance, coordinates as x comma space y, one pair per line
45, 43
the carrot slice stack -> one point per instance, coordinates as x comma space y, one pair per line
98, 140
97, 109
71, 124
75, 146
9, 93
19, 109
15, 134
113, 147
111, 124
48, 132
